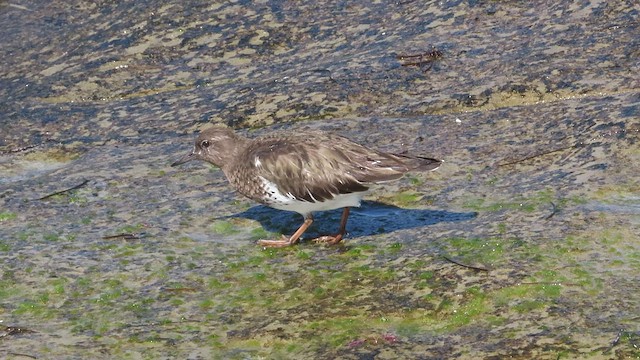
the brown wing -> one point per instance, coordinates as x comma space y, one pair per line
320, 166
308, 173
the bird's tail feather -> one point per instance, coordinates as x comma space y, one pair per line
419, 163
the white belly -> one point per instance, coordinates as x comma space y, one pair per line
304, 207
288, 202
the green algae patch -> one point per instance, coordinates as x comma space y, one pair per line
479, 252
241, 228
415, 180
473, 308
406, 198
260, 233
340, 330
528, 292
9, 289
7, 216
36, 309
541, 200
301, 299
609, 193
480, 204
61, 155
130, 228
297, 281
224, 228
51, 237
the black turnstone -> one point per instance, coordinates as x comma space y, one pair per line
303, 171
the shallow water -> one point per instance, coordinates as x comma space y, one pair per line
524, 244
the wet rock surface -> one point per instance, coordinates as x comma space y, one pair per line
524, 244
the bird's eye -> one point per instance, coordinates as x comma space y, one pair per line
205, 143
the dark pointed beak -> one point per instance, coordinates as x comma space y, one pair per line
190, 156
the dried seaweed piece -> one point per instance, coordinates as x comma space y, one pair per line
460, 263
85, 182
420, 60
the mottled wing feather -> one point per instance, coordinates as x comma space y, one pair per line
319, 166
307, 173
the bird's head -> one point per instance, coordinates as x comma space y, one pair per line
216, 145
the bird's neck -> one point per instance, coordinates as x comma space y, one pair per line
233, 149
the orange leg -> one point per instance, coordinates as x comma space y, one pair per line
332, 240
288, 241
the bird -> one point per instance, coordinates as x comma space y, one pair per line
302, 171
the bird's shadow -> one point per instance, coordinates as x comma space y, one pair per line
370, 218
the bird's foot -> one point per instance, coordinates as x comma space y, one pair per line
329, 240
286, 241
